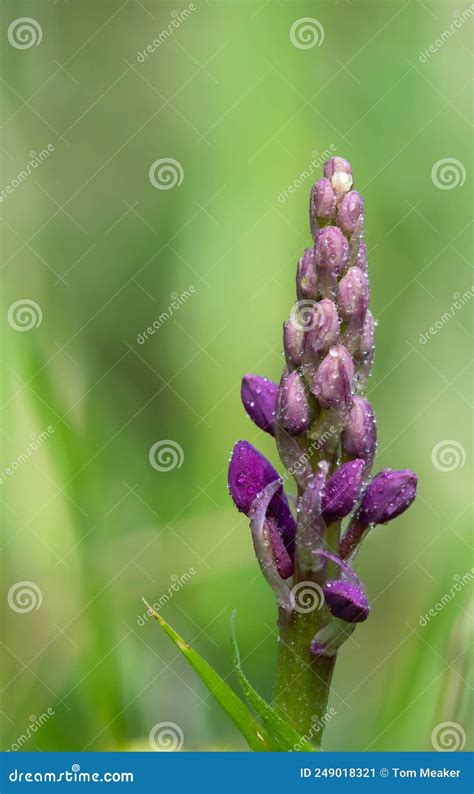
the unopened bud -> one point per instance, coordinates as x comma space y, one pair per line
259, 398
293, 337
294, 413
322, 206
342, 491
389, 494
346, 601
331, 251
351, 212
306, 276
359, 437
332, 384
336, 165
353, 300
323, 329
249, 473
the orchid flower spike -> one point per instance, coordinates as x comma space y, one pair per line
325, 432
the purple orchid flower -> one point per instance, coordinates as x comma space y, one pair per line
249, 473
325, 432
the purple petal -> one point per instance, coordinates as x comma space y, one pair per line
342, 490
389, 494
359, 437
346, 601
259, 398
294, 410
331, 252
332, 384
306, 276
268, 547
323, 329
353, 298
249, 473
351, 212
282, 559
322, 205
293, 337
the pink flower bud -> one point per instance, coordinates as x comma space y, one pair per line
306, 276
335, 165
293, 337
323, 329
331, 252
359, 437
353, 300
332, 384
322, 203
294, 414
351, 212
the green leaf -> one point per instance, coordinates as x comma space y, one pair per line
283, 736
255, 734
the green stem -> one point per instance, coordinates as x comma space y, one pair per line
302, 681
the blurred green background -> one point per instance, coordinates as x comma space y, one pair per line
103, 252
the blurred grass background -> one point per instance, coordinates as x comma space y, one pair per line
88, 238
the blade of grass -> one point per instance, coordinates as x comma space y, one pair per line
284, 736
255, 734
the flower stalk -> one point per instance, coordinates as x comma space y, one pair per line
325, 433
